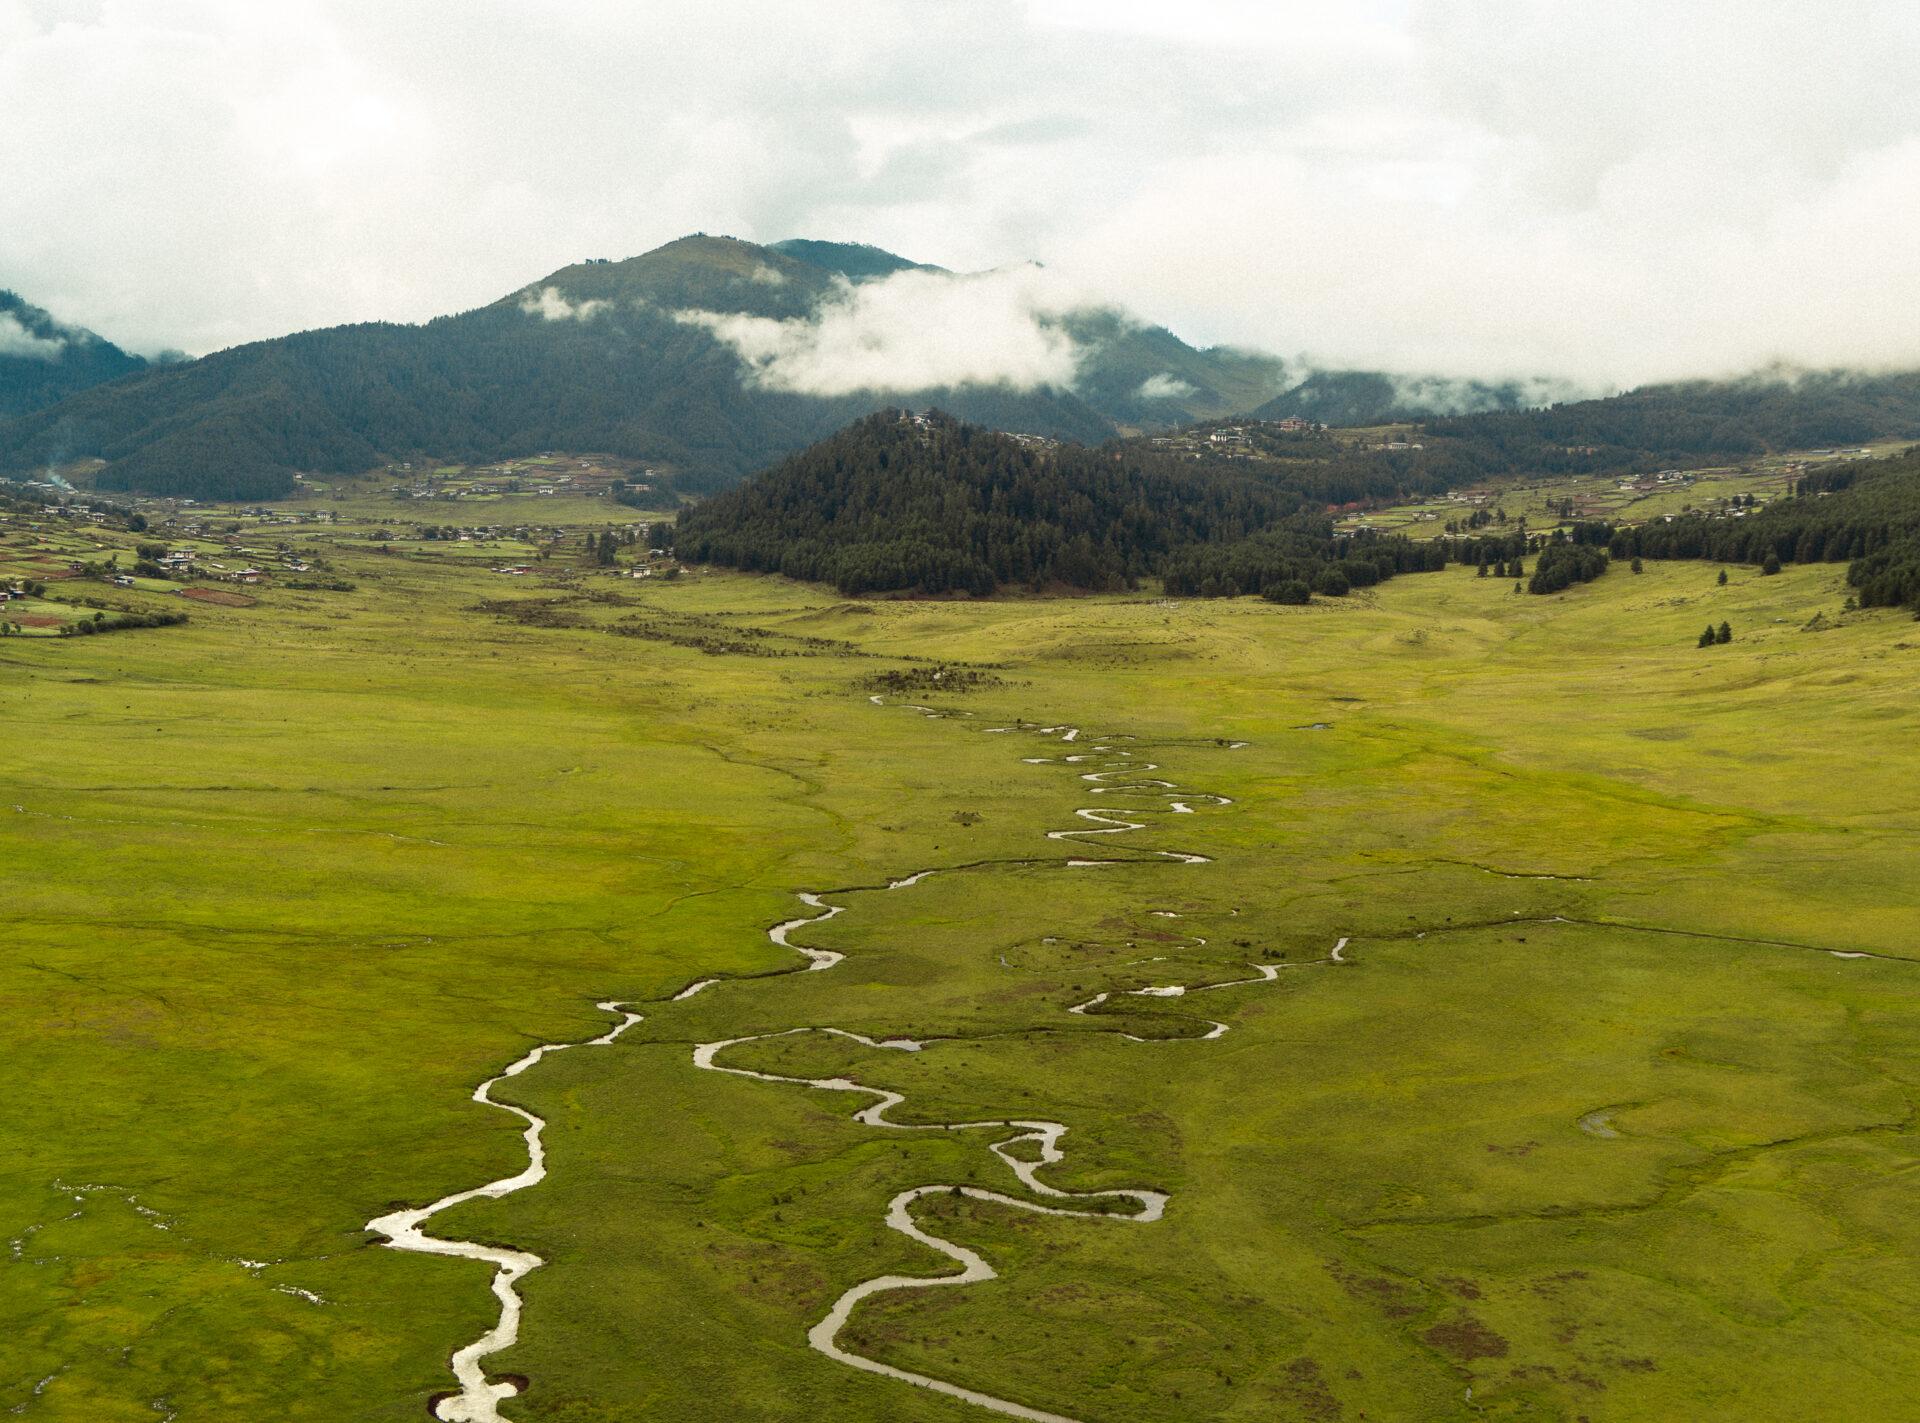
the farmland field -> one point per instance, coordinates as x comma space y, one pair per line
1603, 1110
1549, 500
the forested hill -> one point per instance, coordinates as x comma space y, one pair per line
927, 503
1693, 422
42, 360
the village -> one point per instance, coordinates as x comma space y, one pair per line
1545, 502
1245, 439
547, 476
73, 561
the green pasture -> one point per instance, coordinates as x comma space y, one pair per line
1540, 499
1593, 1123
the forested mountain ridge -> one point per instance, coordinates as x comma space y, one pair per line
595, 356
1334, 397
927, 503
591, 358
1691, 422
44, 360
629, 358
856, 261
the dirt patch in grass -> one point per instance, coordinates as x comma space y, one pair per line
1465, 1337
1307, 1386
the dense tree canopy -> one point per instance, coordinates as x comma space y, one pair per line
1689, 423
900, 501
1563, 563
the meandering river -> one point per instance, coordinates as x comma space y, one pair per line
1026, 1146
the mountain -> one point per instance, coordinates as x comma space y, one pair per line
596, 356
712, 357
1148, 378
42, 361
856, 261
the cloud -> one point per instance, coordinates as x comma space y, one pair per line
911, 331
16, 340
1452, 395
1481, 188
1165, 386
550, 304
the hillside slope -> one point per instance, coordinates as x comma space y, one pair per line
1376, 398
593, 357
1695, 420
43, 361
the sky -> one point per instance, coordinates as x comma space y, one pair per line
1605, 193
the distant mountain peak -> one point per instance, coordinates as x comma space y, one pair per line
856, 261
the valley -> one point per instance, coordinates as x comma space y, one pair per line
932, 713
1601, 1107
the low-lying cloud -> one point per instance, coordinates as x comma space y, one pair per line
1452, 395
16, 340
911, 331
1165, 386
551, 304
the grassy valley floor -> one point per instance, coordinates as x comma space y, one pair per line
1606, 1113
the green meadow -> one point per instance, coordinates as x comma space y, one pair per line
1606, 1111
1543, 500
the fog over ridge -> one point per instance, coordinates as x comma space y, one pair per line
16, 340
913, 330
1487, 189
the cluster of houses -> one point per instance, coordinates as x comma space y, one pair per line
490, 533
1647, 483
584, 477
73, 513
1233, 441
294, 517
